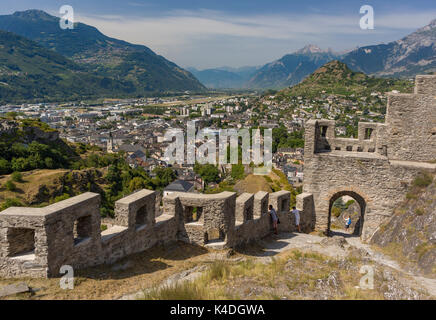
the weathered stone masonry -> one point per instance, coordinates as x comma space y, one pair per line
37, 242
377, 167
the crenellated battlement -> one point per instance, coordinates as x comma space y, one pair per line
37, 242
409, 132
425, 84
323, 137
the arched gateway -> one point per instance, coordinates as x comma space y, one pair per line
358, 225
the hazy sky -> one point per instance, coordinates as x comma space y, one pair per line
237, 33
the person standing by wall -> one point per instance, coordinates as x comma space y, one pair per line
274, 218
296, 213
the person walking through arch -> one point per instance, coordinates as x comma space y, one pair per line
347, 220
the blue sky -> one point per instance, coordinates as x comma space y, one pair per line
237, 33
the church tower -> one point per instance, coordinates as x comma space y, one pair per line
110, 144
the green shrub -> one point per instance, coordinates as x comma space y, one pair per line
423, 248
423, 180
410, 196
17, 176
336, 211
349, 203
238, 171
419, 211
63, 197
10, 203
10, 186
5, 166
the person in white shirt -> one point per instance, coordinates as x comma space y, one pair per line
296, 213
347, 220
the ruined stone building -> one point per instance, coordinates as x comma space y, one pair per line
375, 169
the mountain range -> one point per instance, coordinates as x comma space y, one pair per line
291, 69
414, 54
39, 60
136, 66
224, 77
29, 72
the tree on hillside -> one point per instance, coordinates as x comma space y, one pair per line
208, 172
238, 171
164, 176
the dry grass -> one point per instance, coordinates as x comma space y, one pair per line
423, 248
144, 270
393, 250
180, 291
253, 184
291, 275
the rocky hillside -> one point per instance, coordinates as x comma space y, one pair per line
135, 65
410, 236
414, 54
336, 78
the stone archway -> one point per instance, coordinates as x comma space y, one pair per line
362, 204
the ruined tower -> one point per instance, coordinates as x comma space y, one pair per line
377, 167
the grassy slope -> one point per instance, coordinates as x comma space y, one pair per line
253, 184
41, 187
30, 185
273, 182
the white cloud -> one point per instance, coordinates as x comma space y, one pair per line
181, 33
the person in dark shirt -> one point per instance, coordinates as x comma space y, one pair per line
274, 218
